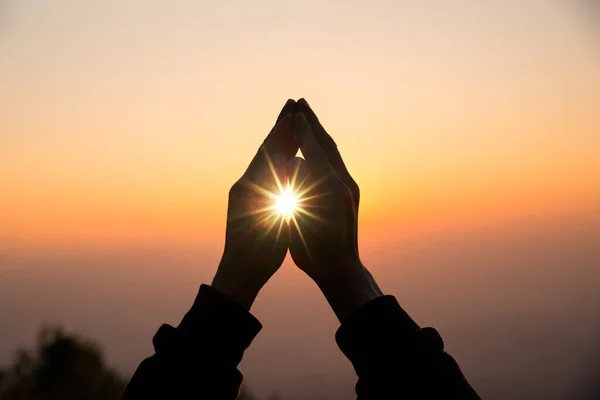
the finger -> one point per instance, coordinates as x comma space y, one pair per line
297, 173
316, 158
300, 177
328, 144
263, 185
274, 174
335, 158
288, 108
276, 229
280, 141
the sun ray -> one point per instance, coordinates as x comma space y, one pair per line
295, 176
257, 188
301, 236
290, 200
270, 227
272, 168
314, 196
270, 215
278, 231
302, 191
301, 218
299, 186
309, 214
252, 213
312, 206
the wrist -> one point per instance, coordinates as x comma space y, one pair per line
242, 295
236, 286
349, 290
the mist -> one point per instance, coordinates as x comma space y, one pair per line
517, 306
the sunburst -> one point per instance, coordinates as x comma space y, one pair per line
287, 204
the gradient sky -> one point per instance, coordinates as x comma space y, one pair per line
130, 119
124, 123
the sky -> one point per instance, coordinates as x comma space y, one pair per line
471, 127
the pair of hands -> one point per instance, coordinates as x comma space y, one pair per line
322, 232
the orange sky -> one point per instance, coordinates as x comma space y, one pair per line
130, 120
123, 123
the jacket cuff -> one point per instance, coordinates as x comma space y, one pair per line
216, 325
376, 324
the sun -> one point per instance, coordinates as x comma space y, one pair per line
286, 203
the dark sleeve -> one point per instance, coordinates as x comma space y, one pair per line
395, 359
199, 358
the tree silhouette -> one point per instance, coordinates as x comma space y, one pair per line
63, 366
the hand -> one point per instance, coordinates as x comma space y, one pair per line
323, 235
256, 239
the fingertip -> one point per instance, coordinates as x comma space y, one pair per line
290, 105
303, 106
282, 138
288, 108
294, 162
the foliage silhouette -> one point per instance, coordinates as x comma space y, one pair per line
63, 366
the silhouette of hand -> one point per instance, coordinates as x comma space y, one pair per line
323, 234
256, 239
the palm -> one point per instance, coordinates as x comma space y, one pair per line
255, 230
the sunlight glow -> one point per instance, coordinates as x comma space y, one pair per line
286, 206
286, 203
